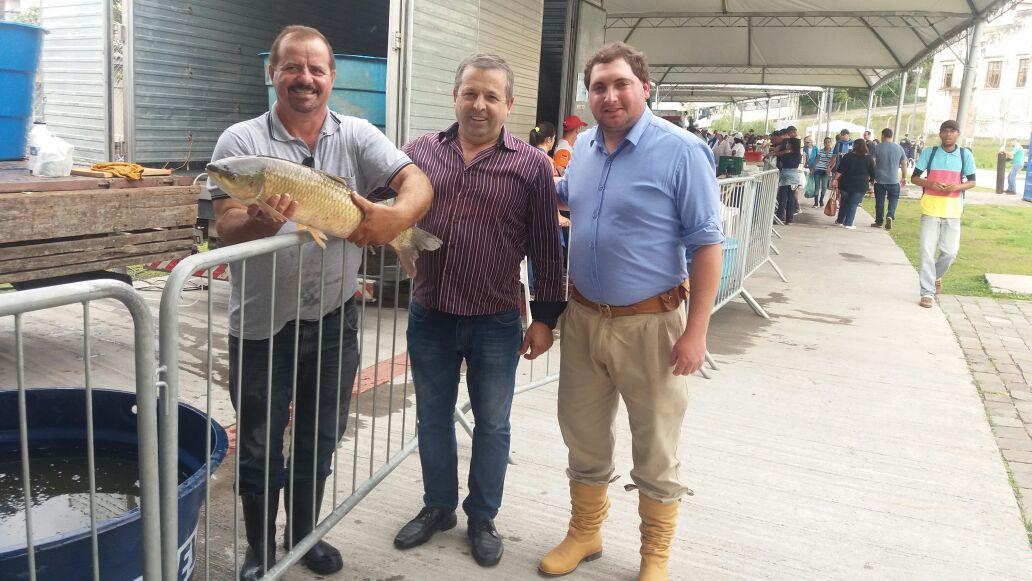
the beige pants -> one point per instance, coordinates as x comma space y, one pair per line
627, 357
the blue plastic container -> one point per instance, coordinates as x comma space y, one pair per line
360, 89
57, 421
20, 47
727, 265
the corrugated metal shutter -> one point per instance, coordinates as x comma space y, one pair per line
74, 79
196, 69
550, 76
445, 32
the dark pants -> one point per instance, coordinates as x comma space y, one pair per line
881, 191
848, 205
438, 343
311, 453
787, 203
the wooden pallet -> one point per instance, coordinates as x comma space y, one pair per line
47, 234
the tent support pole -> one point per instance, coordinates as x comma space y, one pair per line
766, 119
870, 106
831, 109
967, 84
899, 103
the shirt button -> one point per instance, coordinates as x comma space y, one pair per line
600, 188
591, 245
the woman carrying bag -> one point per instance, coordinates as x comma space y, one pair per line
853, 174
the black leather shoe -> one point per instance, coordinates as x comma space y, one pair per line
419, 530
485, 542
323, 558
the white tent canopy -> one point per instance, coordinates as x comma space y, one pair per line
689, 93
831, 43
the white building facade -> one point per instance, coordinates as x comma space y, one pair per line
1001, 103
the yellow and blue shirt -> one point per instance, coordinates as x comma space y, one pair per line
947, 167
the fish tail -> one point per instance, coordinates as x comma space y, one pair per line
407, 247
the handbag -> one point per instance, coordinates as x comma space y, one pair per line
831, 208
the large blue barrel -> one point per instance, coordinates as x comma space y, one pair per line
360, 89
20, 47
57, 428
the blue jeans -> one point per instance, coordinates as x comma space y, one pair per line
438, 343
880, 192
822, 179
850, 202
1012, 179
312, 452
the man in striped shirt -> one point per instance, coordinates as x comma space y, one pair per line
495, 203
942, 204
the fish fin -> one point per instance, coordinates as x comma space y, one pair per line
317, 235
270, 210
409, 253
337, 179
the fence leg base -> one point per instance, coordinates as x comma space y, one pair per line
712, 363
754, 305
702, 372
774, 249
777, 270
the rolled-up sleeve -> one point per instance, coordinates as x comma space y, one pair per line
698, 199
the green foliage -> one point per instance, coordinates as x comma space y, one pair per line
27, 16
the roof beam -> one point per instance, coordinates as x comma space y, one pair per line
881, 39
809, 20
631, 31
795, 14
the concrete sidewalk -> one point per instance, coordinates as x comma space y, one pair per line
842, 439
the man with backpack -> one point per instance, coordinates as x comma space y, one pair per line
942, 203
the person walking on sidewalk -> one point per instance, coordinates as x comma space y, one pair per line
625, 334
890, 176
821, 174
942, 203
1017, 157
494, 204
853, 174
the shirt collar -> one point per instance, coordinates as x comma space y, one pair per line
330, 125
634, 135
505, 139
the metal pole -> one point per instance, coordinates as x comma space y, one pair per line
899, 102
917, 88
820, 115
734, 115
967, 84
831, 109
870, 104
766, 119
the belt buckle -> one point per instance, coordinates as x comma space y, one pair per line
605, 310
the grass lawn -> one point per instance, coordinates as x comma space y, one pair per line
995, 239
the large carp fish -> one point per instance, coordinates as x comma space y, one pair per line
324, 204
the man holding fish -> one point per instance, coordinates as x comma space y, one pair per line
346, 155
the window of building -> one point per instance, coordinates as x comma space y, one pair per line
947, 76
1022, 72
992, 76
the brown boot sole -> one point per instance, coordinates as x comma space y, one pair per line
590, 557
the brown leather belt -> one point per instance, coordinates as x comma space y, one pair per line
661, 303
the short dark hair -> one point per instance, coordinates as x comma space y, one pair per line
844, 132
886, 132
488, 62
612, 51
302, 33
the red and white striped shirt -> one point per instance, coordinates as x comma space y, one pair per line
489, 214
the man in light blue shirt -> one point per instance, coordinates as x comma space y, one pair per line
641, 193
890, 176
1017, 157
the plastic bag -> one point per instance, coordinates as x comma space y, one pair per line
55, 158
811, 185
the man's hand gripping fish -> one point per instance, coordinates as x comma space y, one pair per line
324, 204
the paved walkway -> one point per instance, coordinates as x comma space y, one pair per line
996, 336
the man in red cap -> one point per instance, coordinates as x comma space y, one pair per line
572, 125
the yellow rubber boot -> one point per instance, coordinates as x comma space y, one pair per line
658, 524
583, 541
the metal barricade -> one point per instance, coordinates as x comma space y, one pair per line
367, 448
760, 234
17, 304
738, 198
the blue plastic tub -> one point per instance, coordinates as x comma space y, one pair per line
20, 47
57, 432
727, 265
360, 89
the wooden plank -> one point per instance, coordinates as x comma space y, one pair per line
19, 182
81, 244
89, 173
46, 215
151, 171
24, 275
56, 260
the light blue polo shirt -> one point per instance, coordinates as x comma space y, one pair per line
634, 213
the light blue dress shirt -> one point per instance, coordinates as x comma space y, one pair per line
635, 213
